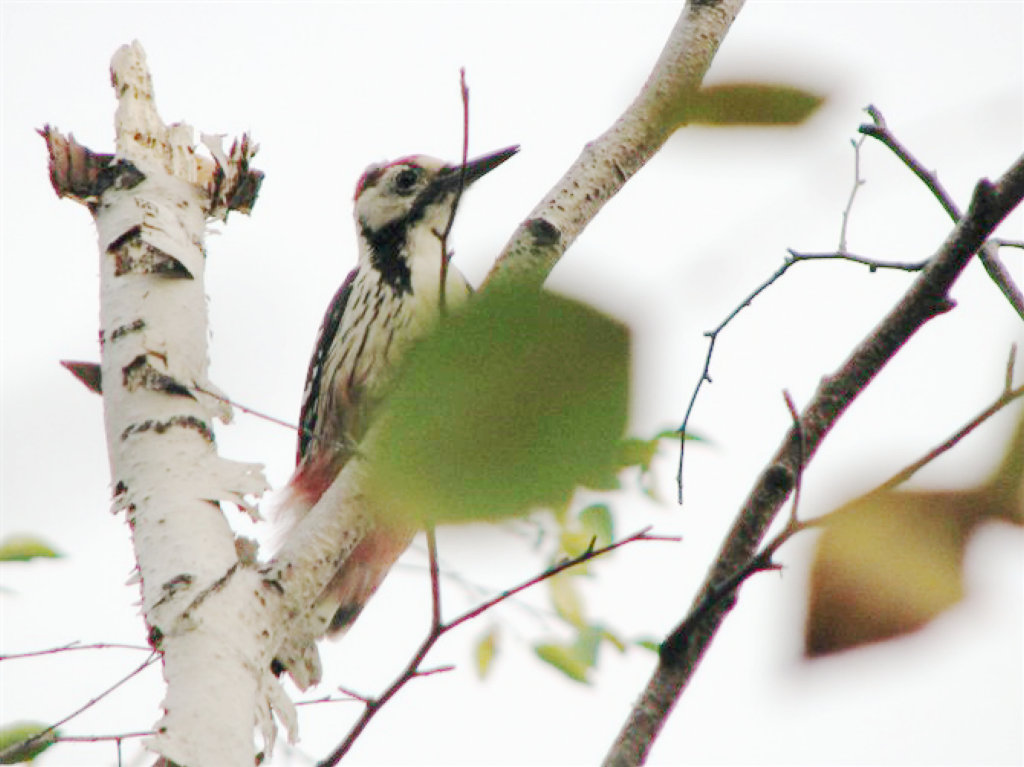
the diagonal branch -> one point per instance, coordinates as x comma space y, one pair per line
609, 161
989, 254
925, 298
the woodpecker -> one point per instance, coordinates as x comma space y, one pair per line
387, 302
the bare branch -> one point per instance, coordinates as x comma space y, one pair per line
1007, 396
872, 263
858, 182
989, 257
989, 253
878, 129
609, 161
924, 299
712, 335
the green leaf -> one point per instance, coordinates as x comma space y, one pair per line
587, 642
612, 639
596, 521
566, 599
513, 403
649, 644
485, 651
750, 104
20, 732
22, 548
565, 659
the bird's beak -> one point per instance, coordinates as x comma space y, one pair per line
479, 166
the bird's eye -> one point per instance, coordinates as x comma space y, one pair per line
406, 180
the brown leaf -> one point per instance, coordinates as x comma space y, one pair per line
887, 564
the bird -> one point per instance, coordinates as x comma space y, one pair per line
391, 299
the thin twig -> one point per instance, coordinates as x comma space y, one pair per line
642, 535
1007, 396
858, 182
988, 254
1000, 242
989, 257
841, 255
435, 579
99, 738
873, 264
349, 698
445, 254
879, 130
74, 646
438, 628
89, 704
926, 298
705, 374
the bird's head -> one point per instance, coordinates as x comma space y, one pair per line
416, 187
415, 193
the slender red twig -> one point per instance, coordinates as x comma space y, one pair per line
439, 628
443, 236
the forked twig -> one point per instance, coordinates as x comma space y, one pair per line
439, 627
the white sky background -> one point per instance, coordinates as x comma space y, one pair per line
326, 89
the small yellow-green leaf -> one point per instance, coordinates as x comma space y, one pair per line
566, 599
649, 644
23, 733
22, 548
596, 520
485, 651
750, 104
887, 564
565, 659
575, 541
518, 399
612, 639
587, 642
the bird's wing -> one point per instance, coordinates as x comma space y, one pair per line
314, 376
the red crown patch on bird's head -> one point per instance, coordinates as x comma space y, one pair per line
373, 172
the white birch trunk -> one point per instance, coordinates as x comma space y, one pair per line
196, 596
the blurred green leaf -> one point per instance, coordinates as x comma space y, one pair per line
640, 452
485, 652
649, 644
13, 734
587, 642
22, 548
596, 521
566, 599
749, 104
612, 639
517, 400
565, 659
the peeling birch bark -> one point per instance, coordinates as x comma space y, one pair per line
151, 202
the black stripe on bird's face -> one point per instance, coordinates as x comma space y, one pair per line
389, 242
